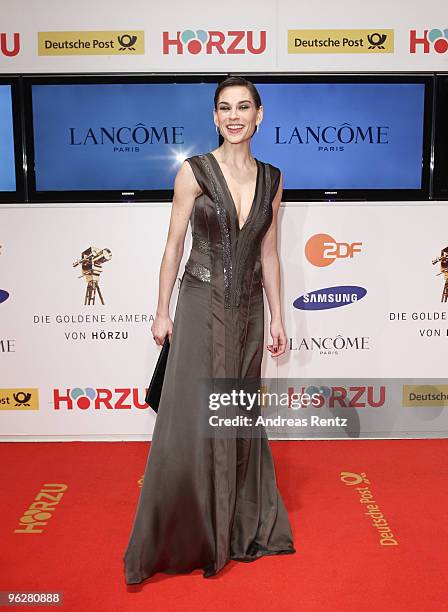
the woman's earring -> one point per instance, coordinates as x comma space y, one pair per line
217, 129
257, 128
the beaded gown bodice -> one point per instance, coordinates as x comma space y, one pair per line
216, 233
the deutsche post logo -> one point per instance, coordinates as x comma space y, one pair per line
340, 41
92, 43
19, 399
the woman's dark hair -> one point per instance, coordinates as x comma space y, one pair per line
241, 82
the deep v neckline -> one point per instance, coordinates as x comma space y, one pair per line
230, 193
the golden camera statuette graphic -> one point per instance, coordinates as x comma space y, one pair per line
91, 263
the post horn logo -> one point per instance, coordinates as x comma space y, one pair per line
376, 40
21, 398
127, 42
352, 478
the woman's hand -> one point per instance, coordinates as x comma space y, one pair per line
161, 327
278, 346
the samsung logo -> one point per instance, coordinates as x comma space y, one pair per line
330, 297
4, 295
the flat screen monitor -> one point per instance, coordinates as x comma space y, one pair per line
115, 139
11, 151
441, 139
341, 137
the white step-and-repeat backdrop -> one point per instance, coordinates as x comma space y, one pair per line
362, 288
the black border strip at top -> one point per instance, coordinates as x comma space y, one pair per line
359, 195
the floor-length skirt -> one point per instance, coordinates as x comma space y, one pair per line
205, 499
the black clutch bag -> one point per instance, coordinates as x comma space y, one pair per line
155, 386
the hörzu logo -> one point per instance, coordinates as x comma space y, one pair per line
36, 517
430, 40
99, 399
214, 42
8, 48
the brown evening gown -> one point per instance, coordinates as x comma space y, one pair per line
207, 499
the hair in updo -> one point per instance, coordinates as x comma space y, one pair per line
241, 82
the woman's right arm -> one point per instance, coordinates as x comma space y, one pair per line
186, 189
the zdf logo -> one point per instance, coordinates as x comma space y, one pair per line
322, 249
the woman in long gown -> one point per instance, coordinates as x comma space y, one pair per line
207, 499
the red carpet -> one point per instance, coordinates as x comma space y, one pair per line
340, 563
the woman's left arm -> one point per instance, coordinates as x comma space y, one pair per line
271, 278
